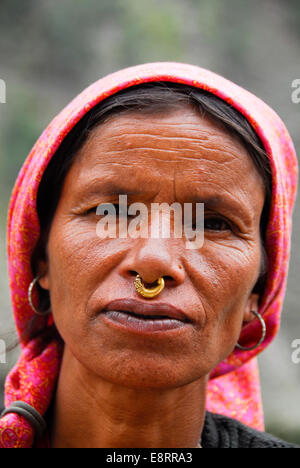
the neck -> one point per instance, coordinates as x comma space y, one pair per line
90, 412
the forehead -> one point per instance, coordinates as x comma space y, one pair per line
180, 143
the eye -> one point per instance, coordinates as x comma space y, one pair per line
91, 211
216, 223
119, 212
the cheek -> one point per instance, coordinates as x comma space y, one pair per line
233, 270
226, 269
78, 262
224, 278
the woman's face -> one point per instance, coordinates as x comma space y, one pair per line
177, 157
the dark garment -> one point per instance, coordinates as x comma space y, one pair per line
222, 432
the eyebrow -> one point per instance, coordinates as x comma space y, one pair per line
214, 201
228, 204
111, 188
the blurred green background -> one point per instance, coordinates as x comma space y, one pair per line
51, 50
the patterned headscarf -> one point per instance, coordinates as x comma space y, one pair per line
233, 388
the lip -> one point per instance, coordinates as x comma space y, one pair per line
140, 318
158, 309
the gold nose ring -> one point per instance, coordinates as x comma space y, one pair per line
148, 292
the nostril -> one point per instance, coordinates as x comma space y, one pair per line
165, 277
168, 278
170, 281
132, 273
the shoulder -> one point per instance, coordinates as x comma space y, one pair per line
222, 432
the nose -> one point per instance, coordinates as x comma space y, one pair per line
152, 259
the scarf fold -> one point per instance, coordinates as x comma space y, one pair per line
233, 389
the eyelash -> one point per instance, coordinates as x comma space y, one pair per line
219, 220
209, 219
94, 209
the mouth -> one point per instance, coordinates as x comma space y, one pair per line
142, 317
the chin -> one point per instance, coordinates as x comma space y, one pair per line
151, 374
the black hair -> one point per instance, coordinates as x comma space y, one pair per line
148, 99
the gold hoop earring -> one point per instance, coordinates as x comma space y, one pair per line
263, 333
31, 286
148, 292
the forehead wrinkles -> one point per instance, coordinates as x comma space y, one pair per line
164, 139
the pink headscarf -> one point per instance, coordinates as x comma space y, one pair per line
234, 384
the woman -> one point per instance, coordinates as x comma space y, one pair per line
132, 341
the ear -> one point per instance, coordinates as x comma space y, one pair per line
252, 304
40, 262
43, 272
